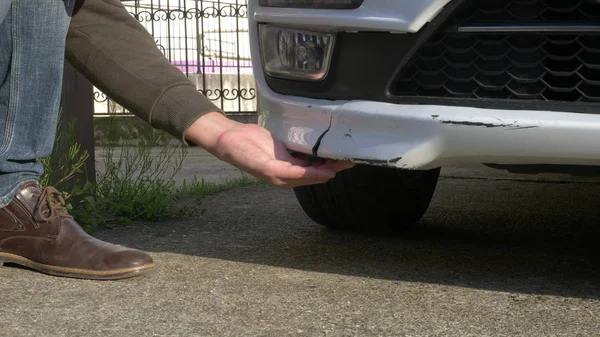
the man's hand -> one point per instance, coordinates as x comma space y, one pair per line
254, 150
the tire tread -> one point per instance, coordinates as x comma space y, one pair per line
370, 197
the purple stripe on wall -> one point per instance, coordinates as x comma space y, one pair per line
214, 67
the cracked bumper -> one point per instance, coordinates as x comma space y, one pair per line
413, 136
424, 137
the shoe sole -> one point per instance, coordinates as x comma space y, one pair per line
75, 272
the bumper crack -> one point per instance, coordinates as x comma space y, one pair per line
315, 148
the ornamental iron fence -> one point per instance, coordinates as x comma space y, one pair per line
207, 40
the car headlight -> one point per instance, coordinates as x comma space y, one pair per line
322, 4
295, 54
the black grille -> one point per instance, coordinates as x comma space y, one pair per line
535, 66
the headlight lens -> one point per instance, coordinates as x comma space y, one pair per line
323, 4
295, 54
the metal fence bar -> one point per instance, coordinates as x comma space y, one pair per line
208, 41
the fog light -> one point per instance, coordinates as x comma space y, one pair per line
324, 4
295, 54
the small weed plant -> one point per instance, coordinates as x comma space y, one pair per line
137, 182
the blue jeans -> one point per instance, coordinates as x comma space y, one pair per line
32, 48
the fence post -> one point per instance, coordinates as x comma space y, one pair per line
77, 102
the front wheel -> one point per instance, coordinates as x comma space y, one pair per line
369, 197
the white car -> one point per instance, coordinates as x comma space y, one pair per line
405, 87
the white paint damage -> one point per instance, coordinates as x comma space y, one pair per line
428, 136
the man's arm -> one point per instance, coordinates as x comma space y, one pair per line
118, 55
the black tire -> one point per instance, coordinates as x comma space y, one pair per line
370, 198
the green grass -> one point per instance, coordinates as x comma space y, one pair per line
137, 184
155, 201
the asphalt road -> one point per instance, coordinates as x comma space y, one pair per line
496, 255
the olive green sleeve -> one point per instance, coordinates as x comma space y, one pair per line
118, 56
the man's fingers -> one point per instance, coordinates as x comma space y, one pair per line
300, 159
297, 172
303, 162
339, 166
299, 182
286, 171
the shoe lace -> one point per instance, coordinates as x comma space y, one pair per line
52, 203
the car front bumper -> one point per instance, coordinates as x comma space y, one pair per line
429, 136
414, 136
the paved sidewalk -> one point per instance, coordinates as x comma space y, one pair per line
492, 257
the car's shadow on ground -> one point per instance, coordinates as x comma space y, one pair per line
501, 237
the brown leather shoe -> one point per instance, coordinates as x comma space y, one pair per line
36, 231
